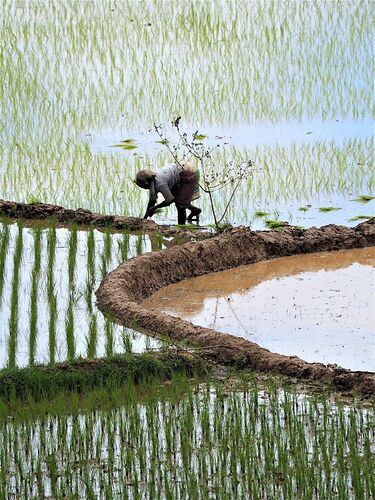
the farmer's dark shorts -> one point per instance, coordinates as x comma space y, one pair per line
184, 193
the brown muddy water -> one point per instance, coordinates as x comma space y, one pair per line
319, 307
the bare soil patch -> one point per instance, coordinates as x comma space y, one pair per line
122, 291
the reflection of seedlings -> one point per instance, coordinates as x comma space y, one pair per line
34, 294
90, 268
91, 254
127, 341
107, 254
93, 338
139, 245
72, 256
52, 300
364, 198
260, 213
361, 217
123, 247
13, 320
4, 238
108, 330
328, 209
276, 224
69, 329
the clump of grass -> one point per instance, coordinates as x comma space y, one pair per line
191, 227
260, 213
276, 224
33, 200
219, 226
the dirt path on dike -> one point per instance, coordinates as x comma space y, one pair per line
82, 217
122, 291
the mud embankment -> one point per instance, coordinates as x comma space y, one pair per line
122, 291
83, 217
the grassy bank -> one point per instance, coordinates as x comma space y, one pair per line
78, 376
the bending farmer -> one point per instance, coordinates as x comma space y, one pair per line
177, 183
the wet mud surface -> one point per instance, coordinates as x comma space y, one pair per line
83, 217
122, 291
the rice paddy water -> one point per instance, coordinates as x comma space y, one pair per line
192, 441
316, 306
48, 278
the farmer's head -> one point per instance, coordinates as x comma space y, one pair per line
144, 177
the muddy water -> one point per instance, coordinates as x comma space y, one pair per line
319, 307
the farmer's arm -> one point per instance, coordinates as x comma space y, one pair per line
168, 200
152, 200
150, 206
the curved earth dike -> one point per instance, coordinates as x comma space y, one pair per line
83, 217
122, 291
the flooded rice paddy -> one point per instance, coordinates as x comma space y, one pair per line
319, 307
48, 278
288, 86
192, 442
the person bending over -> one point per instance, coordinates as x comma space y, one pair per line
177, 183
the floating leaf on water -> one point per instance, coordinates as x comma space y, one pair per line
199, 137
303, 209
364, 198
361, 217
163, 141
127, 141
127, 146
329, 209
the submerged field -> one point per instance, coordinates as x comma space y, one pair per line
192, 442
286, 85
48, 278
